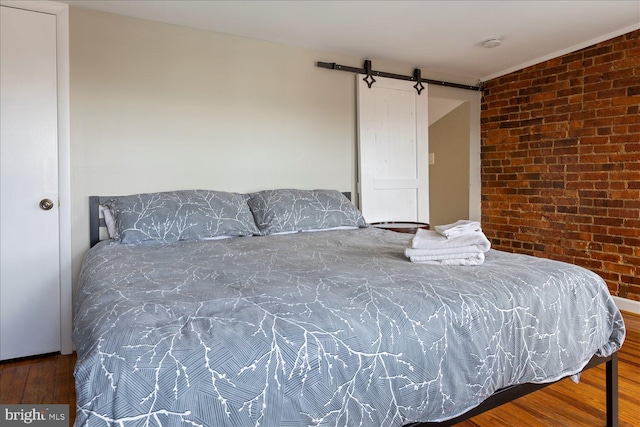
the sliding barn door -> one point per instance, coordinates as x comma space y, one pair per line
393, 146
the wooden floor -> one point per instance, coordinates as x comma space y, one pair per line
39, 380
49, 379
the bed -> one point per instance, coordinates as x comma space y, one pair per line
286, 309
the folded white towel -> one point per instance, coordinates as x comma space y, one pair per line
430, 247
430, 255
475, 259
474, 241
458, 228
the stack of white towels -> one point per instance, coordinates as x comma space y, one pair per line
459, 243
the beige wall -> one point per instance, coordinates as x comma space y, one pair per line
160, 107
156, 107
449, 176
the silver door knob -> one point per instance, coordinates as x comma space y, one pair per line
46, 204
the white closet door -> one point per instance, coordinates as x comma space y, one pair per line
393, 145
30, 262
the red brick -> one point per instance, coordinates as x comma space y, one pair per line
561, 160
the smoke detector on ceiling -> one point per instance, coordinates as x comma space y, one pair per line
493, 42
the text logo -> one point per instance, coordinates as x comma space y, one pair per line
34, 415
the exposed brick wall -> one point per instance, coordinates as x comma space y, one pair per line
561, 161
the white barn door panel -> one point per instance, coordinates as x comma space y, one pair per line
393, 151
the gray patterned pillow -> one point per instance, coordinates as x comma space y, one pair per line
282, 211
181, 215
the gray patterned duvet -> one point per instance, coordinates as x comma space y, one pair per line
332, 328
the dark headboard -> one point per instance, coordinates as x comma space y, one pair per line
96, 223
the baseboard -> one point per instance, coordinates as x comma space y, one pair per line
627, 305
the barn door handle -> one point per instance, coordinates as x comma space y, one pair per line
46, 204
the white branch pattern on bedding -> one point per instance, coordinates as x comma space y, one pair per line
333, 328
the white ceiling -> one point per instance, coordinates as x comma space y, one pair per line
436, 36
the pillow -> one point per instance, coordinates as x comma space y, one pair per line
281, 211
109, 222
181, 215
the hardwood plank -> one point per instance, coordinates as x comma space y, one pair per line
39, 380
13, 379
62, 383
39, 385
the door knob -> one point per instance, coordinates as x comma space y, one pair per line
46, 204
